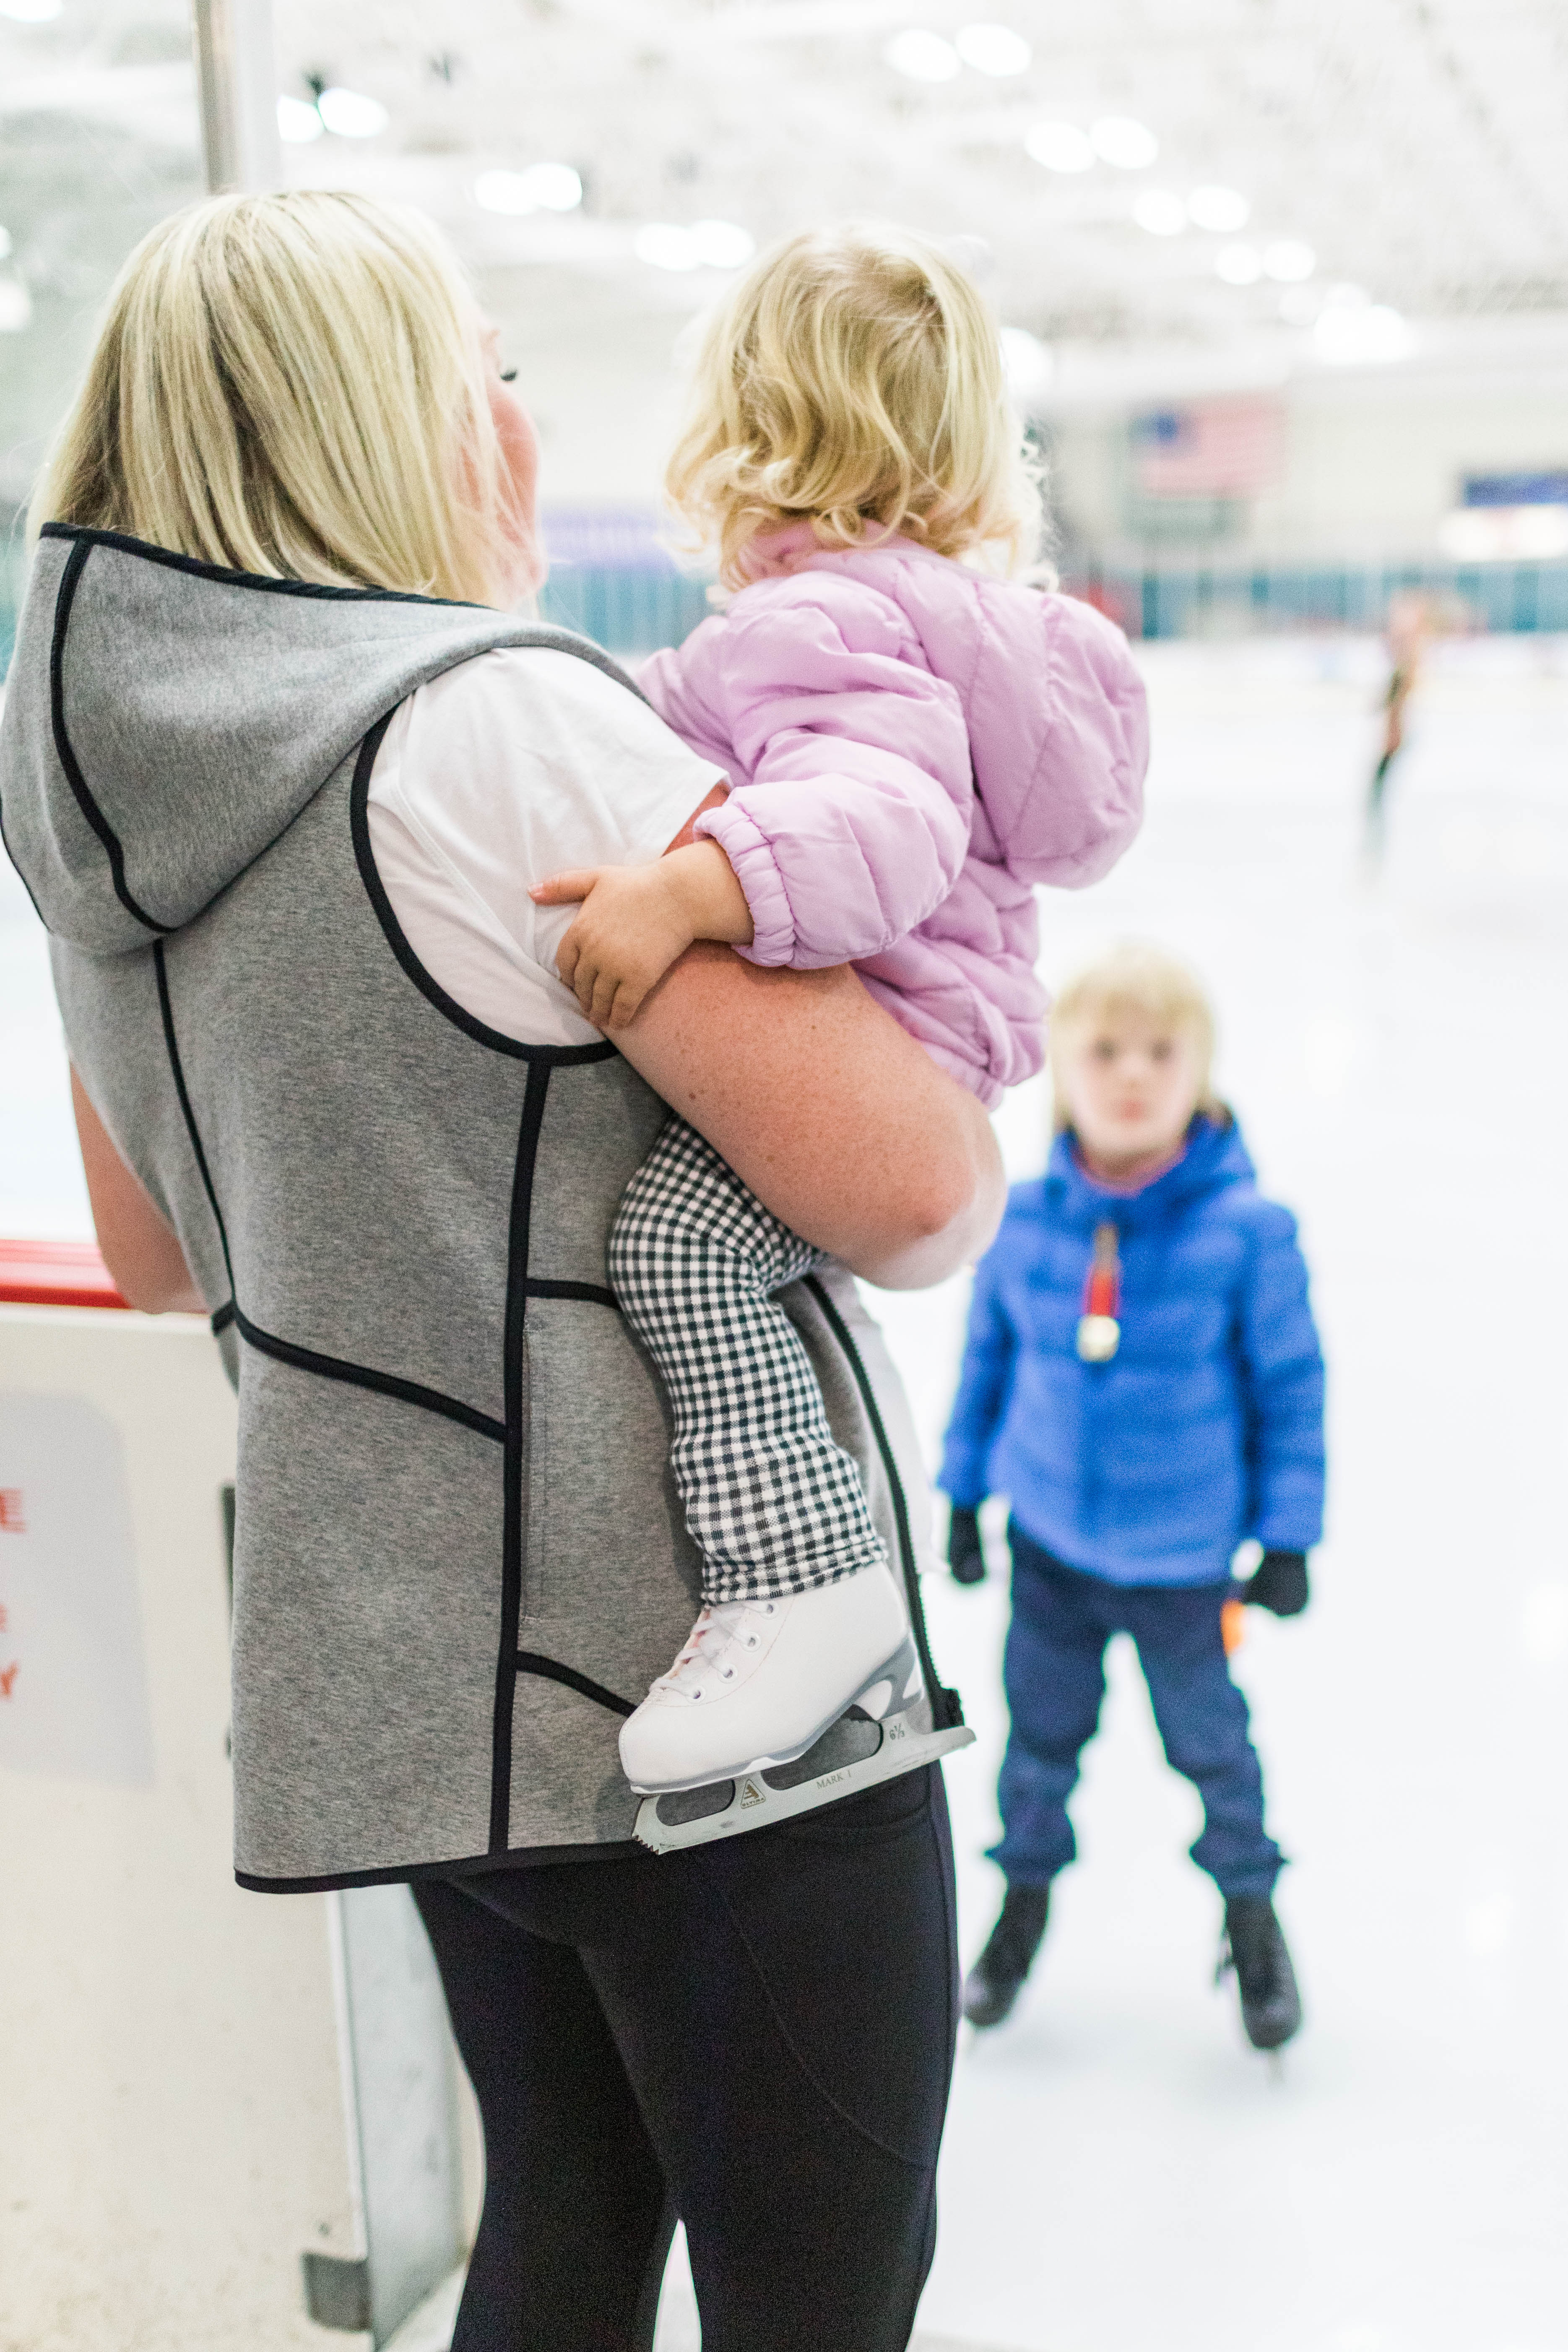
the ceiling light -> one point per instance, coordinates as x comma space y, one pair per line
1059, 146
351, 114
1238, 265
1301, 306
1130, 145
31, 12
5, 243
543, 187
1289, 260
994, 49
1356, 334
924, 57
1028, 364
666, 246
1223, 210
1161, 213
721, 245
556, 187
297, 123
15, 306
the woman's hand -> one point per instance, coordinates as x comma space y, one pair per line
637, 920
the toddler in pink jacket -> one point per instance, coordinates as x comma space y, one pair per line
912, 744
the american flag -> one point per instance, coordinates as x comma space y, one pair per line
1217, 449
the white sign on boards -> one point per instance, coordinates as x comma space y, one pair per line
73, 1677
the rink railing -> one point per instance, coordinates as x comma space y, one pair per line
1203, 600
633, 608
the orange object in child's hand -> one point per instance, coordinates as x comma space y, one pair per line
1232, 1625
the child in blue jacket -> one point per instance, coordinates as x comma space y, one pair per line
1143, 1379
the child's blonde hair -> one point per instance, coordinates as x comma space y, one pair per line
293, 385
1138, 977
854, 380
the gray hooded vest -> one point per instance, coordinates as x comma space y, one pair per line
459, 1561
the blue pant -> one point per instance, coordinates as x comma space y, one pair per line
1055, 1675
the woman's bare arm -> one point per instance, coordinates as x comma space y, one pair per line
140, 1250
829, 1112
832, 1114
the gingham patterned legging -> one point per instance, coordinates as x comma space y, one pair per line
774, 1503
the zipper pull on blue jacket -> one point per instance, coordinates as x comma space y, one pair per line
1098, 1331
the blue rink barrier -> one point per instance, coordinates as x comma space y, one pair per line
626, 610
1238, 600
635, 608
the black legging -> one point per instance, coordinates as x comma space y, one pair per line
755, 2036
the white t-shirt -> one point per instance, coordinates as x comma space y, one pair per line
500, 772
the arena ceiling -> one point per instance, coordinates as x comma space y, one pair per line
1161, 192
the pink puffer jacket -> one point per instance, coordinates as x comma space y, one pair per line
910, 748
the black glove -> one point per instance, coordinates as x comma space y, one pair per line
964, 1555
1279, 1583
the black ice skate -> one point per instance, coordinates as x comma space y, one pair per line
1255, 1946
997, 1979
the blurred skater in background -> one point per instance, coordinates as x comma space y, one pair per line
1409, 626
1143, 1379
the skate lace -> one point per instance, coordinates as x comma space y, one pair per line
725, 1623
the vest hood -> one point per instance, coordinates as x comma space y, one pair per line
168, 719
1215, 1158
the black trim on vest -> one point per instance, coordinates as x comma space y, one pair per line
946, 1707
70, 580
396, 939
187, 1112
593, 1293
532, 1662
545, 636
470, 1865
267, 1343
365, 1376
86, 540
515, 1390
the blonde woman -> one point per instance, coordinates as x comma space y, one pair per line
281, 771
912, 742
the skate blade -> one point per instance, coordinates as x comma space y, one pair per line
856, 1753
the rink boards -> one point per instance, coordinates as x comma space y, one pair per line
184, 2162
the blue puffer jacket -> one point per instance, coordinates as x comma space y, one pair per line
1206, 1426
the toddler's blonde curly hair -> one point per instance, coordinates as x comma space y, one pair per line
854, 380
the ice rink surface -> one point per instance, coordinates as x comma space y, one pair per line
1122, 2173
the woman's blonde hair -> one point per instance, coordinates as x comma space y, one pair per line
293, 385
854, 379
1137, 976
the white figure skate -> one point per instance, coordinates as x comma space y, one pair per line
776, 1706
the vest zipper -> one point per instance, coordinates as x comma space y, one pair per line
946, 1707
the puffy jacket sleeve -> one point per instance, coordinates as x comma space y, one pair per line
854, 821
984, 1383
1060, 679
1283, 1369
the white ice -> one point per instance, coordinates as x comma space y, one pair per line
1122, 2173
